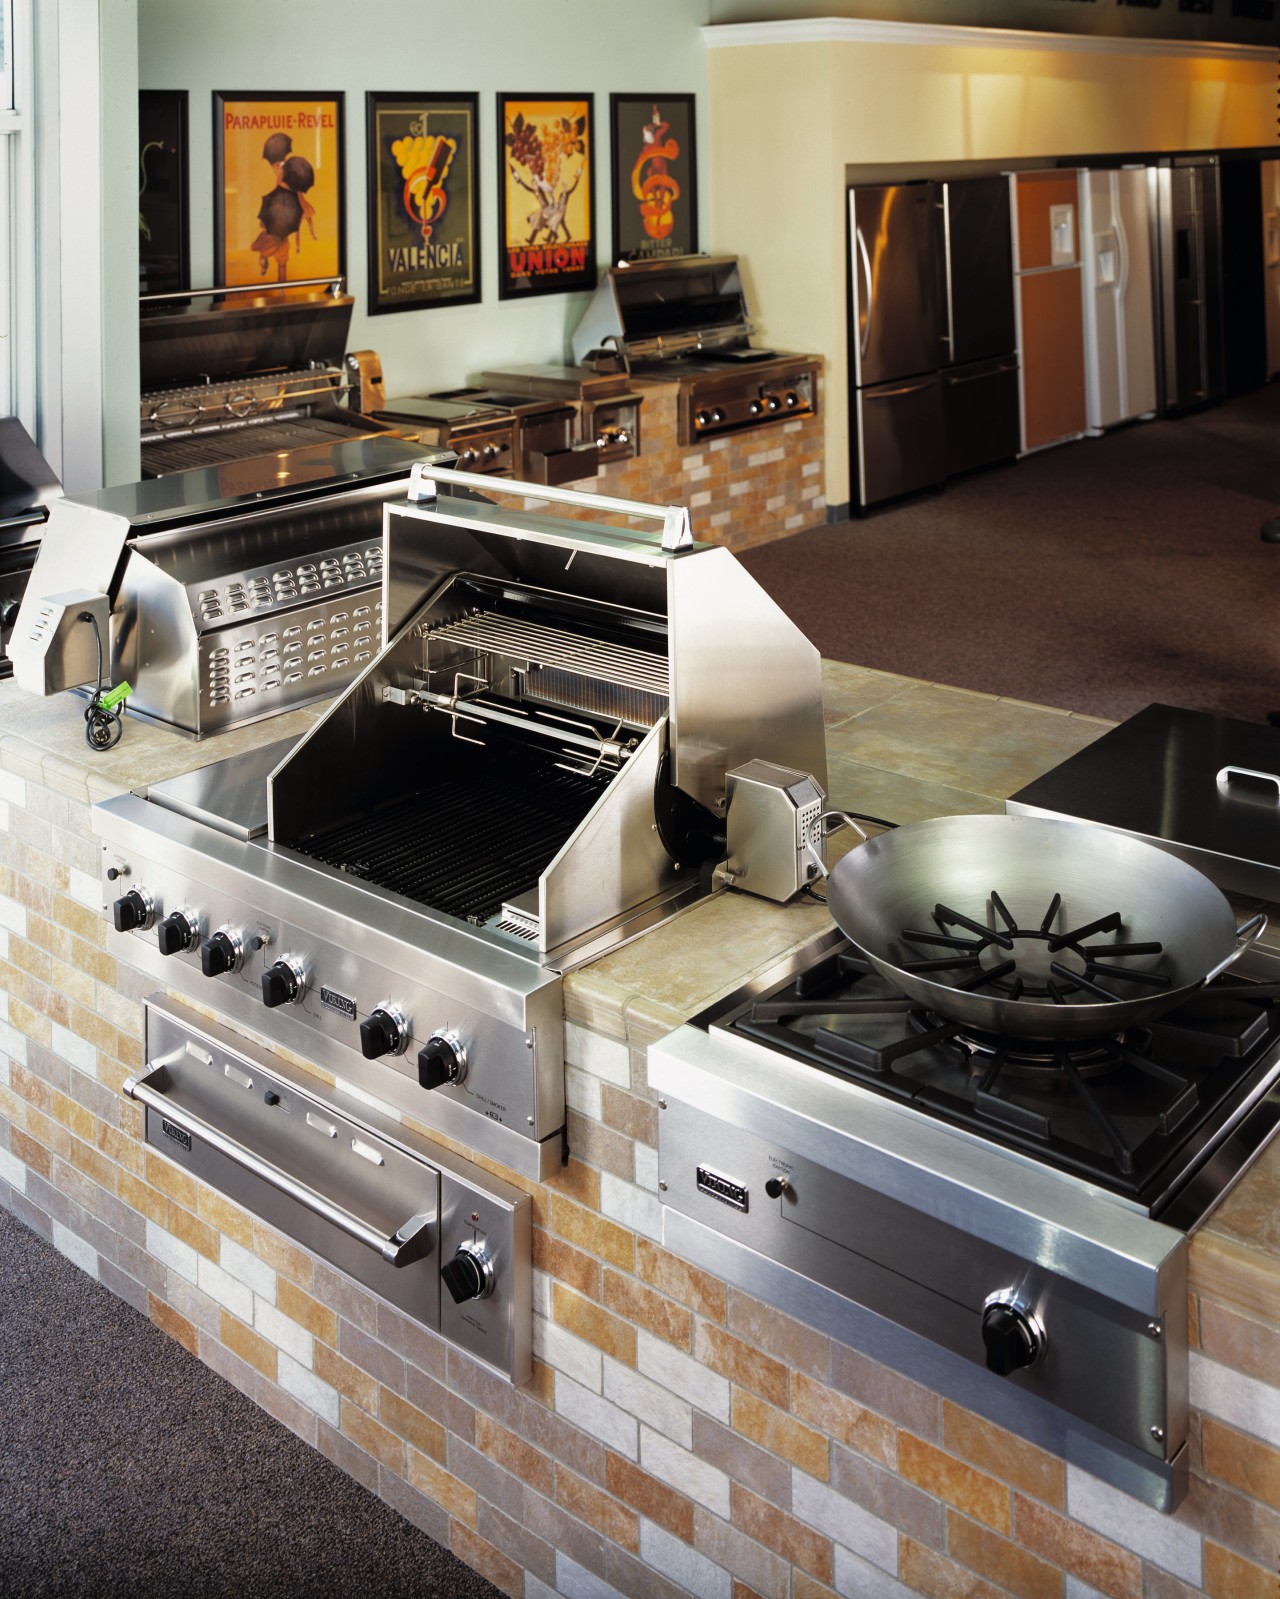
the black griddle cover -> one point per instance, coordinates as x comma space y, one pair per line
1156, 776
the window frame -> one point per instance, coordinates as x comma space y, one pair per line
18, 347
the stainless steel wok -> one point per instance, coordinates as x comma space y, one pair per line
1035, 928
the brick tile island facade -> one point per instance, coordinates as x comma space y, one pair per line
741, 489
678, 1437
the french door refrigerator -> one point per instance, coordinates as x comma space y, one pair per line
1119, 297
934, 377
1188, 238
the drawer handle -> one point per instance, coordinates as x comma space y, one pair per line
411, 1241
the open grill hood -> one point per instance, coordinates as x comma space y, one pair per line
541, 748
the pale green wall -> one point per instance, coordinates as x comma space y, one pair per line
118, 21
600, 46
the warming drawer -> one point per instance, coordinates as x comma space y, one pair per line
430, 1233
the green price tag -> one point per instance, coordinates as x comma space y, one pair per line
121, 691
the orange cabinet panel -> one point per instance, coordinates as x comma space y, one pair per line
1038, 193
1052, 352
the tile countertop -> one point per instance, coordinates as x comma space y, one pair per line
896, 748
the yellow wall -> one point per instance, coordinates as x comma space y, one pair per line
788, 118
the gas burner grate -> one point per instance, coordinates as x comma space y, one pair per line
1015, 961
1120, 1109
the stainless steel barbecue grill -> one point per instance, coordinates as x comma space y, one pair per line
233, 374
227, 593
533, 770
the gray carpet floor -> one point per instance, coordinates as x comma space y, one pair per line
1099, 576
129, 1470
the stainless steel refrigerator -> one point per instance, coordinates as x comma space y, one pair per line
934, 375
1119, 296
1186, 206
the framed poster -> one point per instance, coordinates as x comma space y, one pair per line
163, 231
278, 189
546, 194
655, 176
424, 201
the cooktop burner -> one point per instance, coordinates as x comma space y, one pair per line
1130, 1110
1019, 961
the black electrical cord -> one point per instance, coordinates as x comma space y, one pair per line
103, 727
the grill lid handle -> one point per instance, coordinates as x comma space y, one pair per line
677, 533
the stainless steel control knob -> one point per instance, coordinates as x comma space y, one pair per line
442, 1060
179, 931
284, 983
221, 952
1012, 1333
384, 1031
136, 909
469, 1275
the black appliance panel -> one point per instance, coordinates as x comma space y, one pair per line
979, 255
980, 409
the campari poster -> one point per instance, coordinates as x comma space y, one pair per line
655, 186
547, 194
424, 243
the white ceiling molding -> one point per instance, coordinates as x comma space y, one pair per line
866, 30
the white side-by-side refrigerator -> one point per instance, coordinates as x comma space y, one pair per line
1119, 296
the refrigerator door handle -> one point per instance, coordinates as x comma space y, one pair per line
889, 394
871, 301
949, 337
1000, 370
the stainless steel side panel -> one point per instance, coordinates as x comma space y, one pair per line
1159, 1483
745, 681
614, 860
1018, 1206
928, 1275
354, 944
358, 1160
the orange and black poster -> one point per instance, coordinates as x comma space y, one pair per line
278, 188
547, 194
655, 189
424, 210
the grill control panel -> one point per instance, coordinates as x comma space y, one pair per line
481, 1064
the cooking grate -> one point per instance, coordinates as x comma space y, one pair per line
478, 834
238, 444
539, 646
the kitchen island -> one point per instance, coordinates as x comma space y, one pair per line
677, 1435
